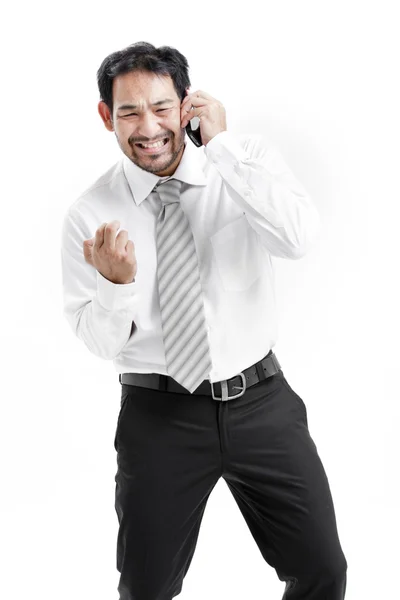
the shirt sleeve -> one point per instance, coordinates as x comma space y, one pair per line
275, 203
100, 313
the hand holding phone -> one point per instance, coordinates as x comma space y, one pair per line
209, 109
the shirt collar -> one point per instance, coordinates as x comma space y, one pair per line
190, 170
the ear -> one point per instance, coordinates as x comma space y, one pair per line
105, 115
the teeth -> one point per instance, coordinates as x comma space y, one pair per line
155, 145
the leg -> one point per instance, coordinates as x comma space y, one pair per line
278, 481
168, 463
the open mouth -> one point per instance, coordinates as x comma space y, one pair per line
153, 148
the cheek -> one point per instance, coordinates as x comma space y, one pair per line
126, 131
174, 122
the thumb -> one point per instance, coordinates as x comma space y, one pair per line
87, 250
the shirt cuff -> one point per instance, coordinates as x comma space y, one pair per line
115, 296
225, 147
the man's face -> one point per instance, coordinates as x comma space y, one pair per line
146, 109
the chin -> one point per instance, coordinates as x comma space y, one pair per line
153, 163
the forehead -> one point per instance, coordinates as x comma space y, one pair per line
142, 87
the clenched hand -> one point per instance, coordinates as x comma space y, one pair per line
113, 256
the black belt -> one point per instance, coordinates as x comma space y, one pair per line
219, 390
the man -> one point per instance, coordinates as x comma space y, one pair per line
186, 311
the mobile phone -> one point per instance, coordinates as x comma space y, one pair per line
194, 134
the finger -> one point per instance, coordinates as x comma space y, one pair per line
87, 251
195, 112
130, 247
121, 240
109, 234
191, 101
186, 103
199, 97
192, 108
189, 116
187, 111
198, 102
99, 236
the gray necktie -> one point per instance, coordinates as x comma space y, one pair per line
182, 311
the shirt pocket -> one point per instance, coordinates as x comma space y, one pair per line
237, 254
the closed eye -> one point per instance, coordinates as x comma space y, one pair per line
134, 114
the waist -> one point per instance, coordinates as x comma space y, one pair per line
226, 389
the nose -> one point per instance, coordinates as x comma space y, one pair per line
149, 126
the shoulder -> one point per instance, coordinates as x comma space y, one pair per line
86, 209
101, 189
254, 143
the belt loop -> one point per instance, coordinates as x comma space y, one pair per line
260, 371
162, 383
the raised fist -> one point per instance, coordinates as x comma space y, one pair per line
113, 256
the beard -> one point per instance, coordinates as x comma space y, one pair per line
154, 163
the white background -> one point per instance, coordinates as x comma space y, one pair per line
320, 79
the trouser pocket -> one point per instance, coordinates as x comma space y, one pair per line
298, 399
124, 402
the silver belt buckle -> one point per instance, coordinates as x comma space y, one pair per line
224, 389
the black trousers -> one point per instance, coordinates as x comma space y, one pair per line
172, 449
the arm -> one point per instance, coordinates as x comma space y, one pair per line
275, 203
100, 313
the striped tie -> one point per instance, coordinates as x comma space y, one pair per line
182, 311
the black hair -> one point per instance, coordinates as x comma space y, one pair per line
143, 56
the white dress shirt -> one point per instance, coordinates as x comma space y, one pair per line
244, 205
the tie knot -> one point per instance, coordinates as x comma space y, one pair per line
169, 191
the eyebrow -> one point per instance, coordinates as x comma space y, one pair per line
134, 106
